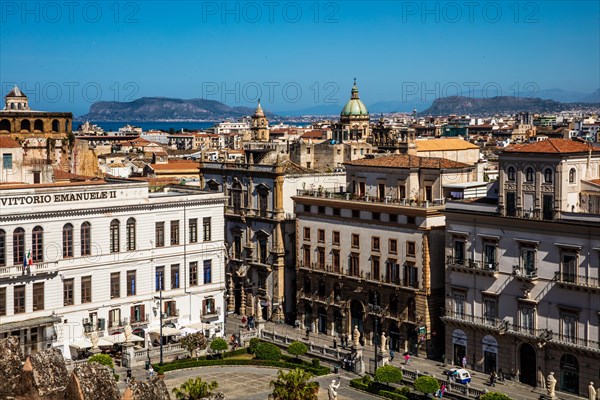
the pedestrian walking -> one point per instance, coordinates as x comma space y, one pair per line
128, 379
464, 362
442, 390
150, 372
493, 378
391, 355
307, 333
407, 358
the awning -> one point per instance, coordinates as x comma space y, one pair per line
29, 323
187, 331
120, 338
85, 343
166, 331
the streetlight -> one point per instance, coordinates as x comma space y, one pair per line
160, 299
376, 310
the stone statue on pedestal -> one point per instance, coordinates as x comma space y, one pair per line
332, 390
591, 391
383, 341
94, 339
356, 336
128, 333
550, 384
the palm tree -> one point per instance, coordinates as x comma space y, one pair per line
294, 385
194, 389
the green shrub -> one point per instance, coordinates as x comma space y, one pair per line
494, 396
404, 391
268, 351
388, 374
103, 359
359, 384
392, 395
297, 349
315, 362
117, 377
218, 345
367, 379
192, 363
426, 384
254, 343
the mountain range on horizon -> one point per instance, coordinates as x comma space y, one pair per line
165, 108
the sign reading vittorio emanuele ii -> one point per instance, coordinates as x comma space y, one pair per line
58, 198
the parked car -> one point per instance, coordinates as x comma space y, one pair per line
459, 375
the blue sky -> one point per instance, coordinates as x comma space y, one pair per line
295, 54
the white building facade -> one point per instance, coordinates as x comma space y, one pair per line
95, 256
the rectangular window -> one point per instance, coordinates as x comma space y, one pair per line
7, 161
208, 306
306, 255
114, 318
160, 234
262, 204
159, 282
207, 271
335, 238
490, 313
175, 276
194, 273
393, 246
138, 313
410, 249
375, 268
262, 250
131, 284
86, 239
568, 267
569, 327
115, 285
193, 227
86, 289
321, 235
511, 204
393, 271
237, 247
336, 261
375, 216
2, 248
527, 319
459, 252
38, 296
19, 299
411, 275
459, 305
174, 233
354, 264
528, 261
2, 301
170, 309
68, 292
489, 255
321, 257
355, 240
206, 229
306, 233
375, 243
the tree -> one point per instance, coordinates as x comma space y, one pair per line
426, 384
388, 374
194, 341
218, 345
103, 359
194, 389
297, 349
494, 396
294, 385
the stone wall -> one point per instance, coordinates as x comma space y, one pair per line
11, 366
154, 389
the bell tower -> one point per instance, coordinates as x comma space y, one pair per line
260, 125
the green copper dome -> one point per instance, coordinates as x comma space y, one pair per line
354, 106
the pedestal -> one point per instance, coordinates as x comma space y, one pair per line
385, 359
95, 351
128, 358
359, 366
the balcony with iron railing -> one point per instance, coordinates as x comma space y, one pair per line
170, 315
470, 265
577, 281
16, 271
575, 342
525, 274
471, 319
211, 314
391, 200
140, 320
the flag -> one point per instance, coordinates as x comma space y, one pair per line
24, 259
30, 262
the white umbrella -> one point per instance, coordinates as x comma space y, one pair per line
166, 331
188, 331
120, 338
86, 343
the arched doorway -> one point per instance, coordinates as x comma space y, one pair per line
308, 317
356, 317
569, 374
490, 354
337, 321
322, 320
459, 346
395, 337
527, 362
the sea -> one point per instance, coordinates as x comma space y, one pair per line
112, 126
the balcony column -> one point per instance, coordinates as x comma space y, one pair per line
243, 301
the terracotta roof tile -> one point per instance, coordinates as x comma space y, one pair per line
444, 144
407, 161
7, 142
552, 146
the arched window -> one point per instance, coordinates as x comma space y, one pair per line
55, 125
114, 236
529, 174
572, 175
26, 125
86, 239
131, 234
2, 247
67, 241
37, 244
511, 173
5, 125
38, 125
18, 246
548, 174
